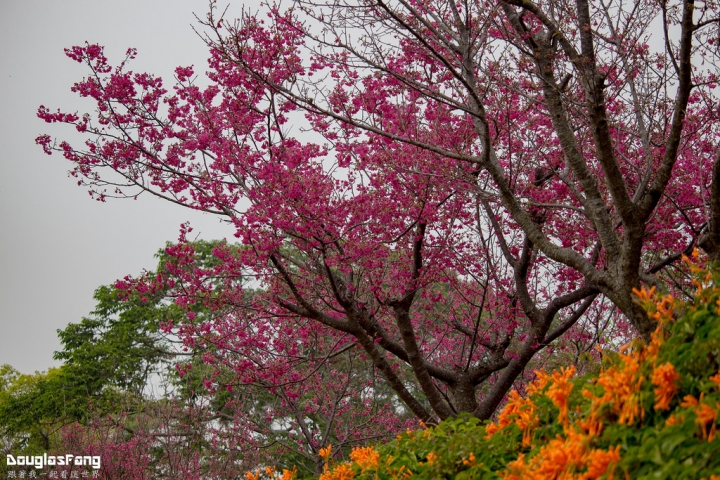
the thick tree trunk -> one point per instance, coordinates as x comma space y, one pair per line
710, 241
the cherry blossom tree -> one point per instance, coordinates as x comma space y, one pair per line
165, 439
199, 380
457, 190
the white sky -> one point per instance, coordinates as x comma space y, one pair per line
58, 245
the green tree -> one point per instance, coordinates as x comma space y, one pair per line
34, 406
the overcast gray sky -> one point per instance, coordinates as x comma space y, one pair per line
58, 245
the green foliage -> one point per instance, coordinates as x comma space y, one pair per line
109, 359
447, 445
121, 344
33, 407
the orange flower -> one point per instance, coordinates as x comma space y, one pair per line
698, 285
592, 426
559, 391
560, 458
665, 309
664, 378
325, 455
716, 378
621, 385
325, 452
706, 417
520, 411
431, 457
341, 472
674, 420
289, 474
643, 294
631, 410
365, 457
657, 338
400, 473
538, 384
470, 461
692, 263
598, 461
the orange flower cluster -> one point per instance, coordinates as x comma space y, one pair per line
697, 267
661, 311
343, 471
270, 472
674, 420
706, 418
665, 379
517, 410
325, 452
665, 309
400, 473
325, 455
705, 415
559, 391
366, 457
289, 474
716, 379
621, 385
571, 456
568, 458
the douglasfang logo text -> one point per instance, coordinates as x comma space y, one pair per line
41, 461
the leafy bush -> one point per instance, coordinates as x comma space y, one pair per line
651, 412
